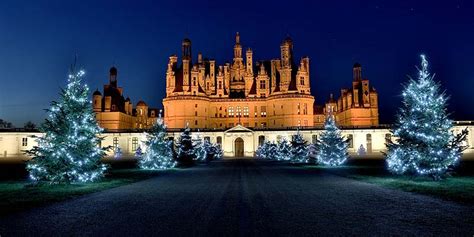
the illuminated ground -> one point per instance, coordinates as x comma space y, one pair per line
247, 198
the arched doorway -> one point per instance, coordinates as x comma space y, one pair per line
239, 147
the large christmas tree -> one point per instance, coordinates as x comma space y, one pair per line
425, 144
158, 153
331, 146
299, 149
69, 151
186, 152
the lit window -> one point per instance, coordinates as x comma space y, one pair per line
134, 143
115, 143
350, 139
246, 111
231, 111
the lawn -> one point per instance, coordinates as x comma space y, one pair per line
459, 187
21, 195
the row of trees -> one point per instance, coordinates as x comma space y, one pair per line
425, 143
330, 149
160, 152
6, 125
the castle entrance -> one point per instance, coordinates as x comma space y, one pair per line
239, 147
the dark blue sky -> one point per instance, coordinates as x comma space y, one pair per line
38, 40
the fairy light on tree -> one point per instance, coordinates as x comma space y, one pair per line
332, 146
299, 149
424, 143
158, 153
68, 151
186, 152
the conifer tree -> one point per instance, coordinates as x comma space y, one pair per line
331, 146
158, 152
186, 153
425, 144
200, 149
69, 151
283, 150
299, 149
268, 150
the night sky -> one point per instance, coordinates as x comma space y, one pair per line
38, 41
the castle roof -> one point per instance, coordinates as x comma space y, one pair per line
97, 92
141, 103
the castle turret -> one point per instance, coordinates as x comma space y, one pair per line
249, 61
186, 50
286, 49
113, 76
357, 72
107, 103
237, 48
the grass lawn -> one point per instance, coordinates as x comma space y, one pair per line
456, 188
21, 195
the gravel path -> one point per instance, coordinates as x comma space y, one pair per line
246, 198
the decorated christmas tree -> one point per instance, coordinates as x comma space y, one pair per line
138, 153
425, 144
299, 149
200, 148
158, 152
361, 151
268, 150
186, 152
68, 151
283, 150
217, 151
331, 146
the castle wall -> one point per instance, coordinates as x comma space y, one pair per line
12, 143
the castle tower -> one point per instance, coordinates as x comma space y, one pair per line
249, 61
113, 76
237, 48
286, 49
357, 72
186, 51
170, 76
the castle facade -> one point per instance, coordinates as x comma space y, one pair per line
257, 94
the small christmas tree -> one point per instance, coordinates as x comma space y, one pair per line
218, 152
331, 147
361, 151
117, 153
200, 149
186, 155
158, 153
425, 144
268, 150
299, 149
138, 152
283, 150
261, 152
69, 151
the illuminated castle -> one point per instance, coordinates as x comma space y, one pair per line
114, 112
266, 94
